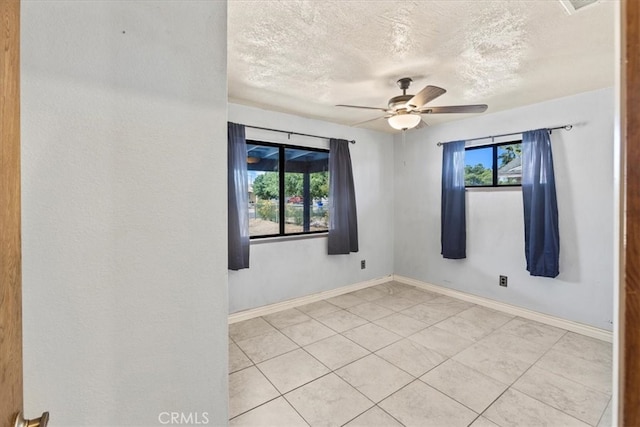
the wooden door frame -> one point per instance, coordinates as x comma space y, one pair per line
629, 313
11, 393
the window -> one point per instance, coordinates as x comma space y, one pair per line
496, 165
288, 189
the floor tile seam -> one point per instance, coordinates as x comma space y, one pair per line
605, 410
476, 419
245, 355
339, 377
370, 302
475, 340
356, 343
367, 410
311, 315
580, 355
349, 363
237, 342
490, 330
562, 374
383, 398
312, 356
312, 342
450, 397
515, 335
277, 355
328, 367
403, 336
444, 355
399, 390
442, 320
444, 394
531, 364
416, 377
482, 414
268, 379
511, 387
316, 316
380, 357
399, 422
296, 410
340, 332
509, 354
293, 324
301, 385
512, 335
554, 406
588, 387
257, 406
242, 369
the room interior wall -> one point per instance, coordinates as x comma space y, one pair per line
583, 161
124, 221
282, 270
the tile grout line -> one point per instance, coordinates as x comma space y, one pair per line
520, 376
567, 379
394, 311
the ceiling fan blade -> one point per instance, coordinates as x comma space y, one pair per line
429, 93
370, 120
360, 106
479, 108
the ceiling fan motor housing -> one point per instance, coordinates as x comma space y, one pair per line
399, 101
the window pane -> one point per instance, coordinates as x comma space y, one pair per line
510, 164
264, 213
306, 190
478, 166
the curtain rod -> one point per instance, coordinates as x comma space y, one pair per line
565, 127
293, 133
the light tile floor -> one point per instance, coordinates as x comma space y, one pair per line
394, 355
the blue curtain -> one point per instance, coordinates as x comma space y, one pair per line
343, 217
238, 197
541, 237
453, 218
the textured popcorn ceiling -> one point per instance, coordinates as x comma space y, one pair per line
303, 57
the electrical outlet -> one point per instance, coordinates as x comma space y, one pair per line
363, 264
503, 281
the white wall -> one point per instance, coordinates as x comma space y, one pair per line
583, 160
289, 269
124, 234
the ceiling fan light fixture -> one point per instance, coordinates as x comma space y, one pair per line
404, 121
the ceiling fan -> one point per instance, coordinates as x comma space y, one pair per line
404, 110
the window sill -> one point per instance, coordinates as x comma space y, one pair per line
483, 189
287, 238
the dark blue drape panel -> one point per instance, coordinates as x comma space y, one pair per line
453, 222
541, 237
343, 217
238, 197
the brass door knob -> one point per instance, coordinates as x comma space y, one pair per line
36, 422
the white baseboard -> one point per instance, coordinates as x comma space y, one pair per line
297, 302
569, 325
